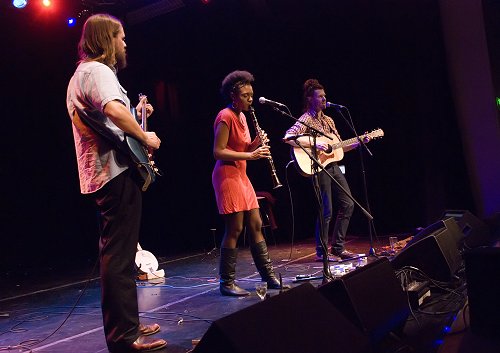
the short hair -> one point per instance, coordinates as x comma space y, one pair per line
309, 87
234, 81
96, 42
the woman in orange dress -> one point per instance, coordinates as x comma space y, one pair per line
234, 193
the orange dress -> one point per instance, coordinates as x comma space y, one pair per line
233, 190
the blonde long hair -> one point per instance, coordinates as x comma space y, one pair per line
96, 42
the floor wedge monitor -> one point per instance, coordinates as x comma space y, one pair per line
371, 297
434, 251
299, 320
476, 232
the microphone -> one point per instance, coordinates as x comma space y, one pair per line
263, 100
333, 105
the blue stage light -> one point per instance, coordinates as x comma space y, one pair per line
19, 3
71, 21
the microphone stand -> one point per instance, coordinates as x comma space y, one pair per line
327, 275
371, 226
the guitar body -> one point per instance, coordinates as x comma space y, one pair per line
304, 163
140, 157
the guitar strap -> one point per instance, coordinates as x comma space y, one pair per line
129, 147
94, 119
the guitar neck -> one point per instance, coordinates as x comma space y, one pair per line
348, 142
144, 124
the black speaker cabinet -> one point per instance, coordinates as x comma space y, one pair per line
454, 231
434, 251
297, 321
371, 297
482, 270
476, 232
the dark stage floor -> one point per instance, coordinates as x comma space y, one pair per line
36, 313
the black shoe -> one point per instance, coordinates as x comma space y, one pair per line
227, 271
274, 283
232, 290
264, 266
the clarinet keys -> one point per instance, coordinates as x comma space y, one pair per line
265, 140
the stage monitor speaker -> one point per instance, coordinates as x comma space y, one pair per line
449, 223
371, 297
434, 251
299, 320
476, 232
482, 270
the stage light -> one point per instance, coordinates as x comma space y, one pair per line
19, 3
498, 102
71, 21
46, 3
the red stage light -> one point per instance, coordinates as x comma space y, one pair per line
46, 3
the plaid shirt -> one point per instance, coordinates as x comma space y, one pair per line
320, 122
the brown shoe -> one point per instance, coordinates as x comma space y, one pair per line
148, 330
346, 254
331, 258
142, 344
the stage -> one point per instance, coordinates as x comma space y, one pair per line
59, 311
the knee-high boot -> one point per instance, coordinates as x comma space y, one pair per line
264, 266
227, 272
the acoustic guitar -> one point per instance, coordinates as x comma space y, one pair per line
303, 162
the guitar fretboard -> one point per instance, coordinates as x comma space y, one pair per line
348, 142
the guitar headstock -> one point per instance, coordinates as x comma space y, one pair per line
375, 134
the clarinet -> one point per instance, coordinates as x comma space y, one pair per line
274, 176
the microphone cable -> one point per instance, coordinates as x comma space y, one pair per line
291, 209
30, 344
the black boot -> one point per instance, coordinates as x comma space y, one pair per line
227, 272
264, 266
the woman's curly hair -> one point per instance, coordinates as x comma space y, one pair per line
234, 81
